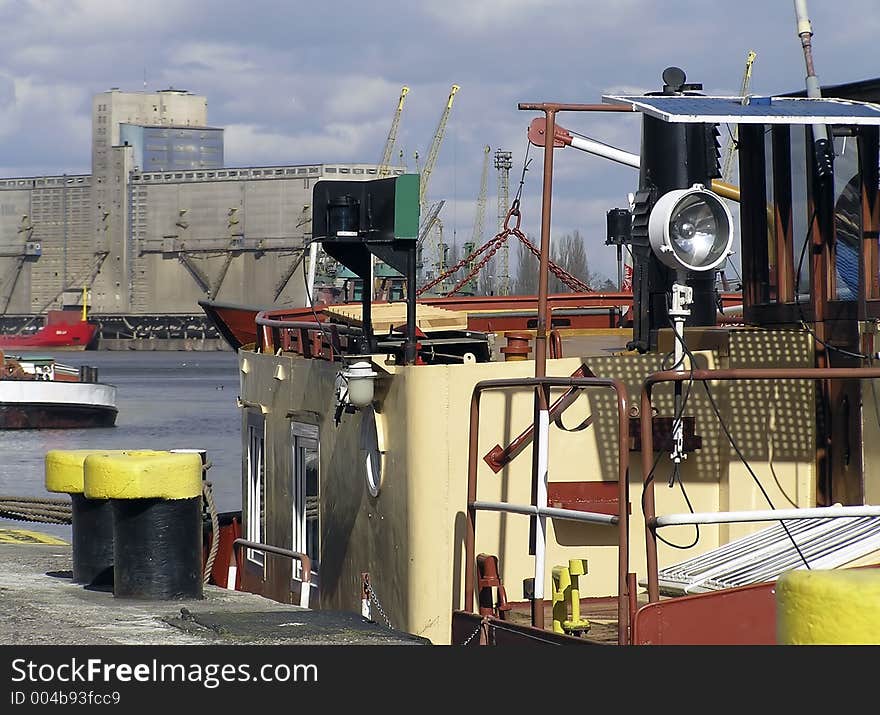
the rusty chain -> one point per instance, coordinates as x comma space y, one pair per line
495, 244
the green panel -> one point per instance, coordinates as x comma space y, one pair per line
406, 206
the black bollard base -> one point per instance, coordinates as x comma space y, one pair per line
92, 540
158, 548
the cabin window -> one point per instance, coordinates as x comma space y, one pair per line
256, 486
304, 442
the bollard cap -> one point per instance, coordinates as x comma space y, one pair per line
64, 468
143, 474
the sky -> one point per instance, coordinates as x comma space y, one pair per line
295, 82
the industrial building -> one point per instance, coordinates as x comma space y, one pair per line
158, 225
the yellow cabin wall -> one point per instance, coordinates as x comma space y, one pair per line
410, 537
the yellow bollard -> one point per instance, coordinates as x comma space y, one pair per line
567, 598
828, 607
576, 568
561, 587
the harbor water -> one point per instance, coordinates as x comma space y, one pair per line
166, 400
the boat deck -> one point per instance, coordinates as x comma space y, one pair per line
42, 606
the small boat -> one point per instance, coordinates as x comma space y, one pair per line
234, 322
40, 393
62, 330
435, 480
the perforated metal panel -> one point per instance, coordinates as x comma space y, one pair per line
757, 110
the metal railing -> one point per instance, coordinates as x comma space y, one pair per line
653, 522
304, 559
621, 520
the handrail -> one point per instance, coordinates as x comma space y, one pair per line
737, 517
621, 521
269, 330
591, 517
277, 550
703, 375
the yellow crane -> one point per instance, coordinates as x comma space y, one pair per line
435, 144
425, 175
385, 162
477, 237
727, 166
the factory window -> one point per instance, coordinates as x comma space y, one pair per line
371, 171
344, 171
358, 171
221, 173
330, 170
233, 173
302, 171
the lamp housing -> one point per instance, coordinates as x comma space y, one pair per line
359, 378
691, 229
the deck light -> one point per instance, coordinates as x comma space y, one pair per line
691, 229
354, 388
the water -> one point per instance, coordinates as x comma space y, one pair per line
166, 400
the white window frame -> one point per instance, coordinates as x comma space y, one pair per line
303, 436
256, 486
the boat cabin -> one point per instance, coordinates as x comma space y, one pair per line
484, 472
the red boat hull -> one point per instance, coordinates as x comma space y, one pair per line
53, 336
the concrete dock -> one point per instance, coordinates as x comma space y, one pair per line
40, 605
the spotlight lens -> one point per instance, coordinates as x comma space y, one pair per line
690, 229
694, 230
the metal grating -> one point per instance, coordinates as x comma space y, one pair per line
764, 555
756, 110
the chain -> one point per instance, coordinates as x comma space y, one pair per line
375, 599
576, 284
474, 634
573, 282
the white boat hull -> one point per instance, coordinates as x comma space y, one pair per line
46, 404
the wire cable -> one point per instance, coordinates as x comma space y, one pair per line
745, 461
676, 476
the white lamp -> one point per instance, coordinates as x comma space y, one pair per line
359, 378
691, 229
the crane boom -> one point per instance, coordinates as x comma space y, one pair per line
727, 167
435, 144
385, 162
477, 237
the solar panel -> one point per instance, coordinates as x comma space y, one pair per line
756, 110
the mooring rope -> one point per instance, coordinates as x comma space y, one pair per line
47, 511
208, 493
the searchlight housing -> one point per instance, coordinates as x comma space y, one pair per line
691, 229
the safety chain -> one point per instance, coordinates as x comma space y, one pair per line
496, 243
473, 635
375, 599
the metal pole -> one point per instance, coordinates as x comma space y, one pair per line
410, 344
542, 410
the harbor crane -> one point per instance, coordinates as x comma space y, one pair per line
435, 144
477, 236
385, 161
727, 165
428, 168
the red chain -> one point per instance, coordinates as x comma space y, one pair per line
576, 284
